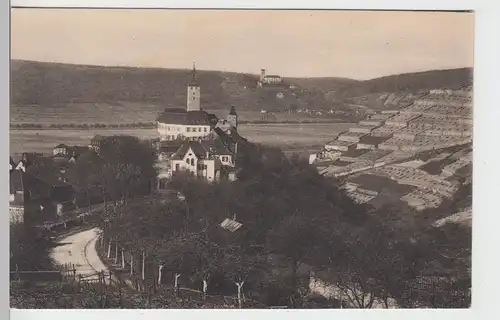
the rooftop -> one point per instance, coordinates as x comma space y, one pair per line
230, 225
184, 117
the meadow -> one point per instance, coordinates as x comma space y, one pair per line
289, 137
128, 112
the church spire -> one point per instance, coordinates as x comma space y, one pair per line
193, 80
193, 93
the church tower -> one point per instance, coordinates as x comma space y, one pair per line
232, 117
193, 93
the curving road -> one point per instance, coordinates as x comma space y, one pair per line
79, 249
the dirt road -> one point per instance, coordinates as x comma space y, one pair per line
79, 249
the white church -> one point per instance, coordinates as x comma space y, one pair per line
196, 141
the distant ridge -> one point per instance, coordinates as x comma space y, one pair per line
43, 83
58, 86
412, 82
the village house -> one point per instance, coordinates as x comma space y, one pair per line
37, 195
208, 159
64, 154
96, 142
16, 198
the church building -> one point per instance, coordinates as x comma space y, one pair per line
268, 80
190, 123
195, 141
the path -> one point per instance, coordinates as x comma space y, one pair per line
80, 249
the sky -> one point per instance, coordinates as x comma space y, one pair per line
351, 44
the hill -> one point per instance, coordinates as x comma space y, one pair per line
411, 82
50, 84
54, 92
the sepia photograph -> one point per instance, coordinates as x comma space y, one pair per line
240, 159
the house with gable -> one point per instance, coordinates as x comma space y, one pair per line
197, 158
38, 192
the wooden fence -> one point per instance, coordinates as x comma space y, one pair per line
130, 273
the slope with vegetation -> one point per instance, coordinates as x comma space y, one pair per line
94, 94
53, 84
292, 218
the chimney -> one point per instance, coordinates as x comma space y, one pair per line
262, 74
234, 216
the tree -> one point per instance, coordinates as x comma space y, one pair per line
241, 267
129, 166
85, 174
295, 238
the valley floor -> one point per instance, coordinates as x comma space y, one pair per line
290, 137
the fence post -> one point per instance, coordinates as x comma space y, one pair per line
109, 249
100, 282
116, 252
131, 264
74, 273
143, 264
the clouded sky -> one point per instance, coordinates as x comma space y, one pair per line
359, 45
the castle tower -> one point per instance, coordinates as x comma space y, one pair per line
262, 75
232, 117
193, 93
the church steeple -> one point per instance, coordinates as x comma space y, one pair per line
232, 117
193, 93
193, 79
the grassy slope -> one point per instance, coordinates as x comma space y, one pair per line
49, 84
53, 92
405, 87
411, 82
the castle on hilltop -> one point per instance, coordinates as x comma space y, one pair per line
268, 80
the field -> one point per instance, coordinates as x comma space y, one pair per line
126, 112
297, 137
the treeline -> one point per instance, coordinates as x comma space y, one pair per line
145, 125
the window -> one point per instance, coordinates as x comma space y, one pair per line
205, 166
194, 98
188, 129
192, 161
205, 129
